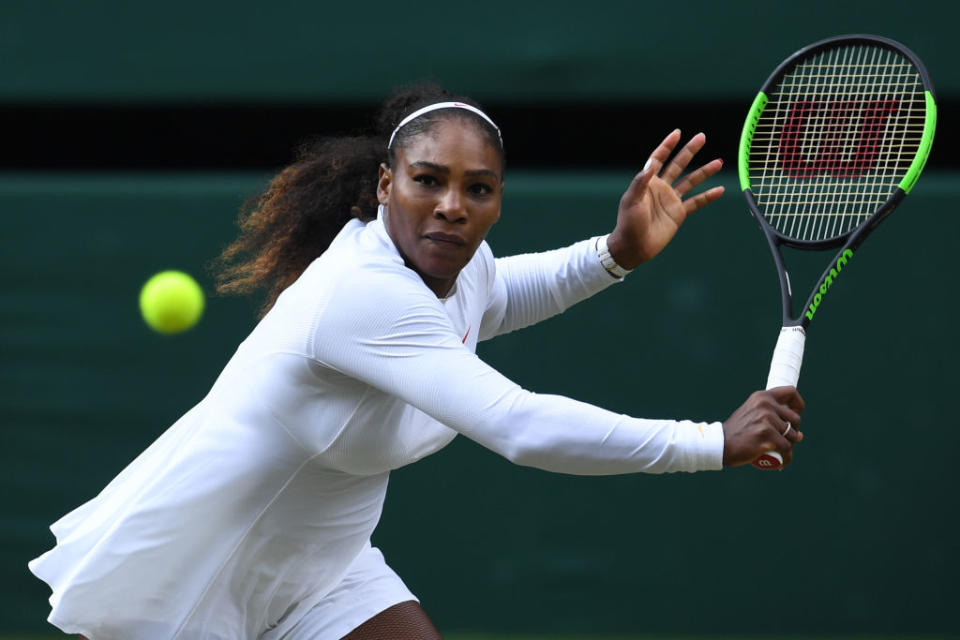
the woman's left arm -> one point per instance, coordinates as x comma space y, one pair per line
529, 288
532, 287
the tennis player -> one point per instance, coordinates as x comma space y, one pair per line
251, 516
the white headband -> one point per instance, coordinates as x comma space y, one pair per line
443, 105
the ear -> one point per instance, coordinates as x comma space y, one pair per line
384, 184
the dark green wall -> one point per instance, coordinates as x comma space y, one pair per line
497, 51
859, 535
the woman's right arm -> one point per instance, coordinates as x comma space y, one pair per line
396, 337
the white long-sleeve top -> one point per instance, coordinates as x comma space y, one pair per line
249, 509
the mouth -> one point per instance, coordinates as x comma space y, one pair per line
445, 238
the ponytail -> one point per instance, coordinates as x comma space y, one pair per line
294, 221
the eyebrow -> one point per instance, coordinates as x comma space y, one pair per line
439, 168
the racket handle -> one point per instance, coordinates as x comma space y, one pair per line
784, 372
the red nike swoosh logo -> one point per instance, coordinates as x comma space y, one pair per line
464, 341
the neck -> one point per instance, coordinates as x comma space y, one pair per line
440, 286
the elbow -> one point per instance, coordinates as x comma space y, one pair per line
515, 447
520, 455
527, 452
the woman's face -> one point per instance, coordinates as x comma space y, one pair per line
443, 195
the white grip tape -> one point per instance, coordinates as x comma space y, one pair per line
787, 358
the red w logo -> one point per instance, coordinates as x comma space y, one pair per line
837, 137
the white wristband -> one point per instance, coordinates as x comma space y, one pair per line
603, 252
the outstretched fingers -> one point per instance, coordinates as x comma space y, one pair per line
700, 200
683, 158
694, 178
653, 166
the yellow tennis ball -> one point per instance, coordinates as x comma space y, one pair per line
171, 302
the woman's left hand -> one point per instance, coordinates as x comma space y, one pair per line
653, 207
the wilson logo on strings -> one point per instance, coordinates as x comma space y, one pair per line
845, 135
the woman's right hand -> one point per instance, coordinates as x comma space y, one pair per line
767, 421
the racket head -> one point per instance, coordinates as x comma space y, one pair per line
835, 138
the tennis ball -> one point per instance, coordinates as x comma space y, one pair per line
171, 302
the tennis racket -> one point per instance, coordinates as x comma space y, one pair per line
834, 141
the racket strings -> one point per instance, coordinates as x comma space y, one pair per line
837, 136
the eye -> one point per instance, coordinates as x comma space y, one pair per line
426, 180
480, 189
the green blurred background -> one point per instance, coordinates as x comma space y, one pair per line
133, 133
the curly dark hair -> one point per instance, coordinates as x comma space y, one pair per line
332, 181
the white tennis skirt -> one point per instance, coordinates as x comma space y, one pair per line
368, 587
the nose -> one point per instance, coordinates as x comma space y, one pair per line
451, 207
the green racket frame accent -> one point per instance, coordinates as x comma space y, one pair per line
929, 127
746, 138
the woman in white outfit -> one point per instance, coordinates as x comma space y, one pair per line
251, 516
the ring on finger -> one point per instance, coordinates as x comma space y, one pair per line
787, 430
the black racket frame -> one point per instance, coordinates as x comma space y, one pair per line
851, 240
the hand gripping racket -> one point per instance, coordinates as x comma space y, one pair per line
834, 141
